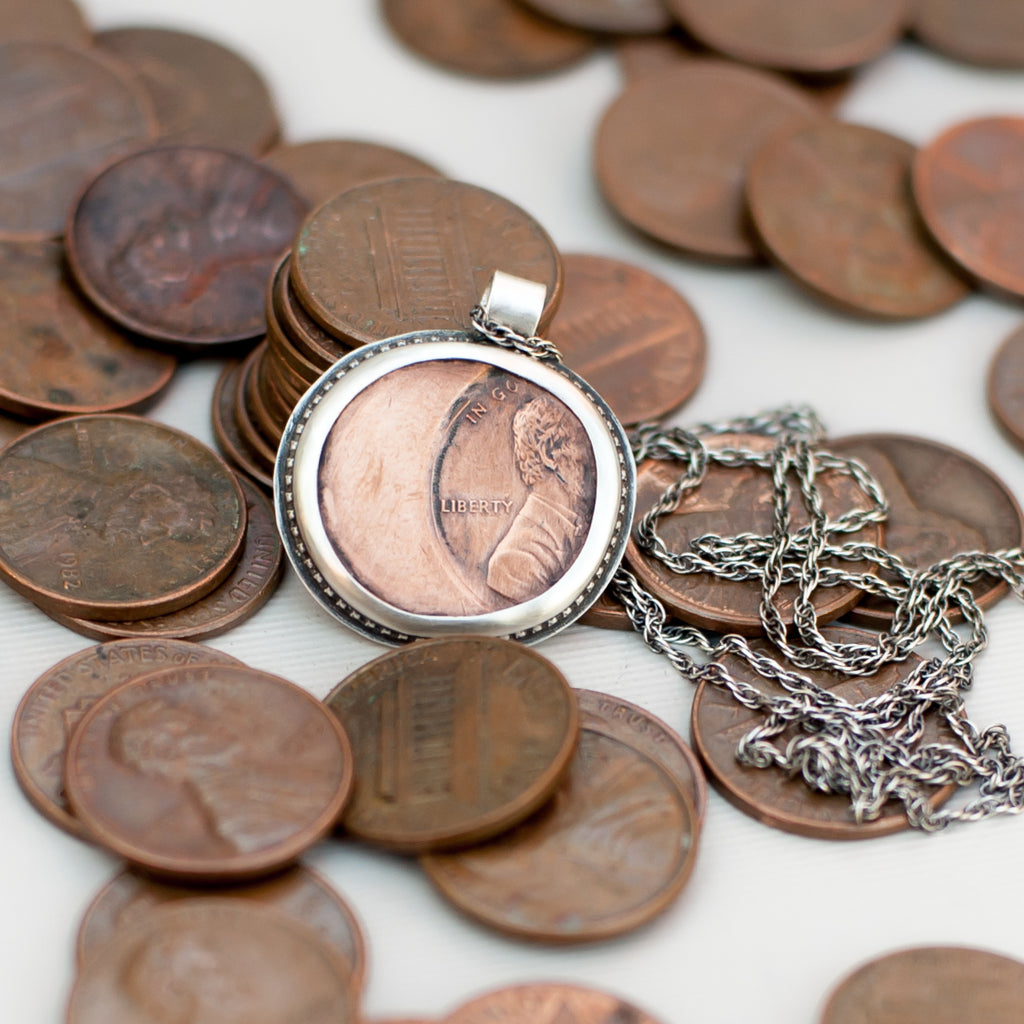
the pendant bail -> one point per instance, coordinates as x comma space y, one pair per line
514, 302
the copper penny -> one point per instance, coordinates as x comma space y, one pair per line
718, 723
177, 242
543, 1003
58, 356
967, 185
674, 168
319, 170
639, 56
623, 16
214, 960
299, 892
311, 341
208, 773
986, 32
68, 113
612, 849
225, 429
1006, 386
630, 335
411, 254
57, 700
202, 92
942, 502
796, 35
455, 740
831, 204
607, 613
732, 501
243, 593
260, 446
286, 359
46, 21
931, 985
114, 516
492, 38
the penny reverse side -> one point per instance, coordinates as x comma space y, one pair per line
986, 32
548, 1004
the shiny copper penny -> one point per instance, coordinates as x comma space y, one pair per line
966, 183
46, 21
411, 254
299, 892
622, 16
57, 700
225, 429
732, 501
321, 169
57, 355
208, 773
118, 517
986, 32
217, 961
942, 502
931, 985
718, 723
177, 242
672, 151
202, 92
796, 35
68, 112
492, 38
630, 335
830, 202
455, 740
612, 849
244, 592
1006, 386
533, 1004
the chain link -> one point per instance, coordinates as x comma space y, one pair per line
499, 334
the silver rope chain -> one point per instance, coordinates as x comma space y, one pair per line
499, 334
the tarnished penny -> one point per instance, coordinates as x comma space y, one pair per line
931, 985
630, 335
177, 242
718, 723
672, 151
202, 92
732, 501
48, 21
624, 16
987, 32
544, 1003
831, 204
455, 740
114, 516
411, 254
941, 502
57, 700
1006, 386
321, 169
607, 613
58, 356
77, 112
214, 960
299, 893
243, 593
225, 429
264, 452
797, 35
309, 338
493, 38
611, 849
967, 183
208, 773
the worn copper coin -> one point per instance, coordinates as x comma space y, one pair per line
411, 254
941, 502
177, 242
298, 892
986, 32
114, 516
264, 452
67, 113
607, 613
630, 335
57, 700
208, 773
639, 56
319, 170
492, 38
931, 985
202, 92
672, 151
967, 187
215, 961
47, 21
796, 35
309, 338
534, 1004
730, 501
225, 429
718, 723
831, 204
455, 740
621, 16
1006, 386
612, 849
57, 355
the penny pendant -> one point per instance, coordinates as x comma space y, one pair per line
433, 483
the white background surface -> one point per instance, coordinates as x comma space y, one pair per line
769, 922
